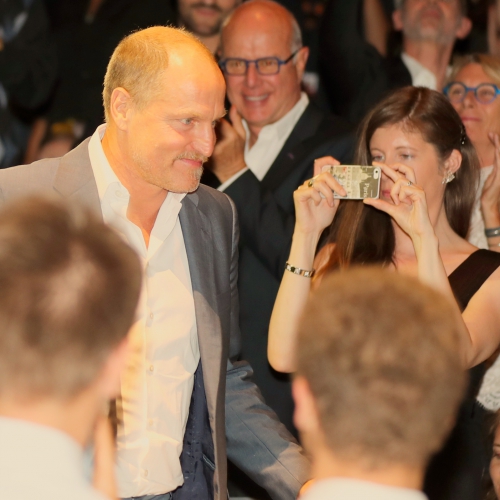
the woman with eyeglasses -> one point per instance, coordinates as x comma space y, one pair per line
473, 91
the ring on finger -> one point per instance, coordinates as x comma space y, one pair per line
409, 183
311, 182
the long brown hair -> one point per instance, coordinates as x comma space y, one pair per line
365, 235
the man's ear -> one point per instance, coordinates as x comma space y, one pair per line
120, 106
463, 28
305, 415
397, 20
453, 162
301, 61
109, 378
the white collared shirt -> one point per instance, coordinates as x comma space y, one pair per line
157, 384
420, 75
355, 489
41, 462
270, 142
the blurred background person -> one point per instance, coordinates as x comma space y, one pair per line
418, 227
27, 73
473, 90
378, 383
70, 288
204, 18
356, 75
85, 34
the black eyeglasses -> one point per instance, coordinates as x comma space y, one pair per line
264, 65
484, 92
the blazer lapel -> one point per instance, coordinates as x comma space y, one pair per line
75, 179
196, 229
292, 150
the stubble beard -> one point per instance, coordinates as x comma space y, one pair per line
434, 34
165, 177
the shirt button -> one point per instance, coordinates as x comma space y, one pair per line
145, 473
151, 368
150, 422
151, 315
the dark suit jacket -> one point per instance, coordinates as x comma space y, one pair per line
267, 218
226, 404
355, 75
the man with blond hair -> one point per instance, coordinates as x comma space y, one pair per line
69, 289
183, 392
378, 383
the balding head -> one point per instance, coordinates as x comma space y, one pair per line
279, 16
140, 60
261, 29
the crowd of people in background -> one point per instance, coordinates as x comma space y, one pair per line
277, 91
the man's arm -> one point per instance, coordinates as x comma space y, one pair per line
257, 442
353, 70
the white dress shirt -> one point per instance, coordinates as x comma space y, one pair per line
42, 463
354, 489
157, 384
420, 75
270, 142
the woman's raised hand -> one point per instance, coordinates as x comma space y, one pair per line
315, 205
490, 195
410, 206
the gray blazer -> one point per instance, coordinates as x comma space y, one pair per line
256, 441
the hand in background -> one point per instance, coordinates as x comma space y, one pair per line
228, 156
491, 191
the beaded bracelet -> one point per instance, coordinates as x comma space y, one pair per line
492, 232
299, 271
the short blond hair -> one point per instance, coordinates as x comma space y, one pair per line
140, 60
380, 352
490, 65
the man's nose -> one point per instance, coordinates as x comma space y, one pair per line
252, 76
204, 141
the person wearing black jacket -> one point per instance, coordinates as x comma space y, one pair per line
261, 158
28, 68
356, 75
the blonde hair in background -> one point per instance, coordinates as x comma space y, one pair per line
139, 62
490, 65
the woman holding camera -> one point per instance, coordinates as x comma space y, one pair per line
417, 227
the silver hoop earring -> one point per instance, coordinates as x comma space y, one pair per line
448, 178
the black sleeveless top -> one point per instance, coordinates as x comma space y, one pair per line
456, 472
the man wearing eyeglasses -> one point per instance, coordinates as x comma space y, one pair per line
261, 157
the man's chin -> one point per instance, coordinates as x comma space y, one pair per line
187, 185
